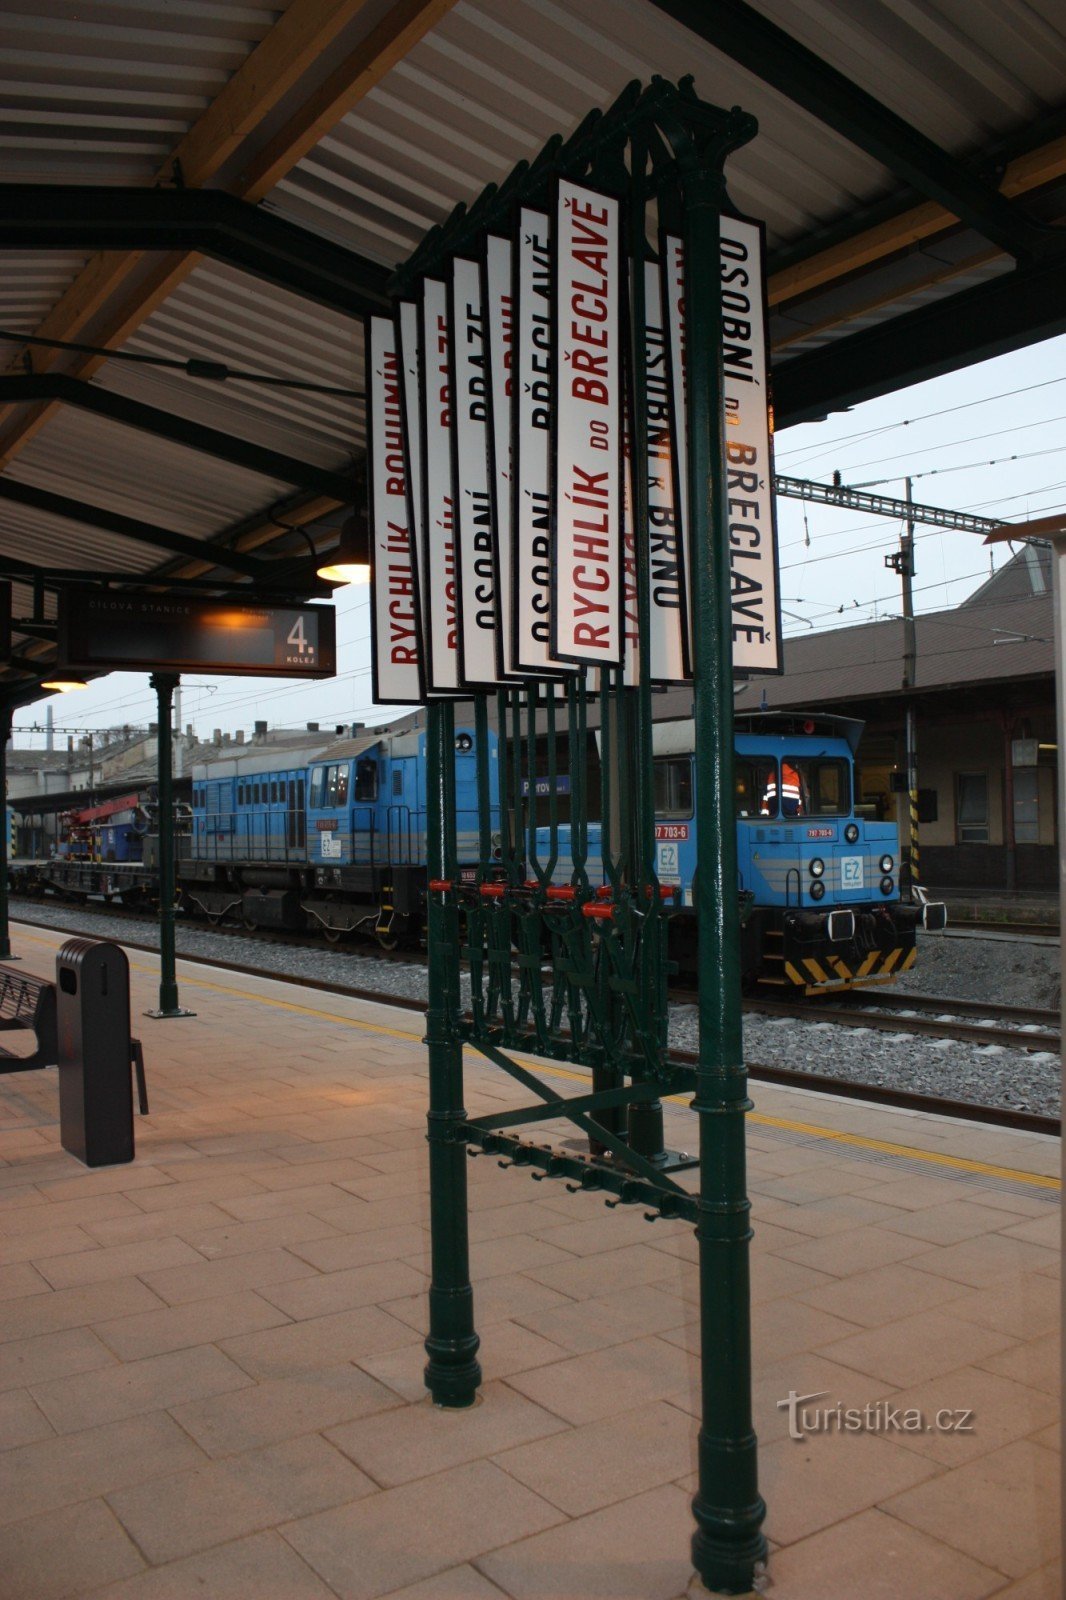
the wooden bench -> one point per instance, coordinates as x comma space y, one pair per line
30, 1003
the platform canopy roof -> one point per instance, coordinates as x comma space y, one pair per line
229, 183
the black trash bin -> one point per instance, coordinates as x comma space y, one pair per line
93, 1019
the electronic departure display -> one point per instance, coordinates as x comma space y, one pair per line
102, 630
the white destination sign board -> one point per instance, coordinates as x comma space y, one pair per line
751, 521
411, 381
498, 300
531, 504
473, 500
669, 662
396, 673
438, 514
587, 556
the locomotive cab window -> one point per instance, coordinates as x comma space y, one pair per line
366, 779
318, 788
673, 787
755, 779
815, 786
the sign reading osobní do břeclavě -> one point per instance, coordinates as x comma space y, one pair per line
521, 456
107, 631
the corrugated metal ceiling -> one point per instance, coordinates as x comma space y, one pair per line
103, 91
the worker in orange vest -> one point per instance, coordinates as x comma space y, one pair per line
791, 792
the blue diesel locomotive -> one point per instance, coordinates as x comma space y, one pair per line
339, 845
819, 874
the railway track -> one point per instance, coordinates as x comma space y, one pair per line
932, 1105
1011, 1027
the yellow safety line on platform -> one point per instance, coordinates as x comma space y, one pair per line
813, 1130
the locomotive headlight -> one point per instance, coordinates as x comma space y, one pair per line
886, 863
816, 866
817, 889
851, 832
887, 886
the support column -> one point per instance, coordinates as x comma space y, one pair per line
452, 1373
728, 1509
164, 684
5, 935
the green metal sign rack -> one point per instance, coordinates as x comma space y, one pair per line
577, 971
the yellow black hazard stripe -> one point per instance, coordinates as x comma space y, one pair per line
819, 974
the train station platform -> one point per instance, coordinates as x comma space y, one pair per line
210, 1360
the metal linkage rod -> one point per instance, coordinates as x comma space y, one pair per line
882, 505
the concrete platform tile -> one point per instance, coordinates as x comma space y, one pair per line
179, 1222
811, 1483
58, 1471
948, 1223
1024, 1307
202, 1185
600, 1231
605, 1382
1002, 1509
317, 1342
262, 1567
39, 1245
1000, 1411
879, 1296
154, 1333
21, 1279
591, 1277
915, 1348
66, 1552
458, 1583
224, 1500
266, 1233
587, 1468
421, 1439
302, 1198
636, 1550
51, 1355
857, 1250
773, 1276
1036, 1362
322, 1293
913, 1193
284, 1408
582, 1325
834, 1214
21, 1422
127, 1389
104, 1180
506, 1348
74, 1308
879, 1558
983, 1263
343, 1250
394, 1538
258, 1269
521, 1216
781, 1328
117, 1261
1038, 1230
1043, 1585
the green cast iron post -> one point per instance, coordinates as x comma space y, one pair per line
452, 1372
728, 1510
164, 684
5, 931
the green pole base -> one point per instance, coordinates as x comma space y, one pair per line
161, 1012
6, 955
726, 1547
452, 1373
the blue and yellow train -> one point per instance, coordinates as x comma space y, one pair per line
338, 845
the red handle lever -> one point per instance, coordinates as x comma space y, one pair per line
439, 885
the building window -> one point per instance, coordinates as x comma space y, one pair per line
972, 807
1026, 805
